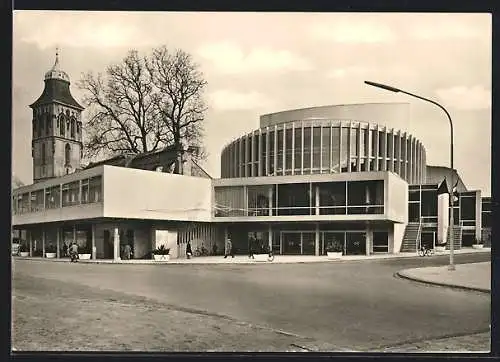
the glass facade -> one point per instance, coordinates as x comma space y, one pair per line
324, 146
317, 198
88, 190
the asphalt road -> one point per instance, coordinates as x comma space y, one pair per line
357, 305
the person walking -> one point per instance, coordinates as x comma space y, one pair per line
73, 252
251, 243
229, 249
189, 251
127, 250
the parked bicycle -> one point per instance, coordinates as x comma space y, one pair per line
201, 251
423, 251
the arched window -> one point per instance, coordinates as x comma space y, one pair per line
43, 154
67, 154
73, 128
61, 125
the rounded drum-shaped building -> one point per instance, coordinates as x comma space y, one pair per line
322, 143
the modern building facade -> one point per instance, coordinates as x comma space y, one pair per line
303, 180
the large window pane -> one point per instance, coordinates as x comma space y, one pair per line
354, 141
429, 203
365, 197
298, 150
325, 150
308, 243
229, 201
307, 149
279, 151
355, 243
37, 200
71, 194
344, 159
335, 150
263, 155
289, 150
258, 200
95, 189
332, 198
271, 152
414, 212
294, 199
316, 149
53, 197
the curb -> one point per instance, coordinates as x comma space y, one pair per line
402, 275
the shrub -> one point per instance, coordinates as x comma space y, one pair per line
161, 250
51, 248
335, 247
23, 248
479, 241
84, 249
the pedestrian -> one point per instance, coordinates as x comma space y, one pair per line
251, 242
189, 251
126, 252
229, 249
73, 252
65, 249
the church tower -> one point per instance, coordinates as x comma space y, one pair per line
56, 145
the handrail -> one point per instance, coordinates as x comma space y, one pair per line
418, 241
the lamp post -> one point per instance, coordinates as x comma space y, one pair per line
397, 90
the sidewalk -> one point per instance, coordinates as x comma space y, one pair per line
472, 276
240, 259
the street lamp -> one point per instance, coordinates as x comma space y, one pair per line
397, 90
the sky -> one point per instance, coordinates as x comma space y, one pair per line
258, 63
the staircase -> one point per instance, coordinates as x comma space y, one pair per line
411, 237
457, 237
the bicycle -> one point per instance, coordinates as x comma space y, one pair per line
423, 251
201, 252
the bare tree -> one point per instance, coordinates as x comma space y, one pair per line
143, 104
179, 100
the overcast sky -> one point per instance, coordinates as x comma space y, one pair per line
257, 63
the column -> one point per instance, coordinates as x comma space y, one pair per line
92, 231
316, 199
28, 234
270, 237
43, 243
58, 241
116, 244
316, 241
369, 240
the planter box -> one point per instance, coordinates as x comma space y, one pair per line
440, 249
24, 254
260, 257
161, 257
84, 256
477, 246
334, 255
50, 255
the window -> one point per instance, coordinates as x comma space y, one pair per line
67, 154
73, 128
298, 150
61, 125
295, 199
335, 150
85, 191
229, 201
258, 200
307, 149
37, 201
289, 151
71, 193
325, 148
263, 155
316, 151
52, 197
468, 208
271, 153
365, 197
95, 189
332, 198
345, 150
280, 152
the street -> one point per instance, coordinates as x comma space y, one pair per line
356, 305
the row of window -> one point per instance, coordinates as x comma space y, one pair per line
67, 154
323, 149
84, 191
67, 126
325, 198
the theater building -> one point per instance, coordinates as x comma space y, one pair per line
304, 179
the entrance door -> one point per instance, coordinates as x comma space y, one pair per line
427, 239
291, 243
308, 243
355, 243
380, 242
